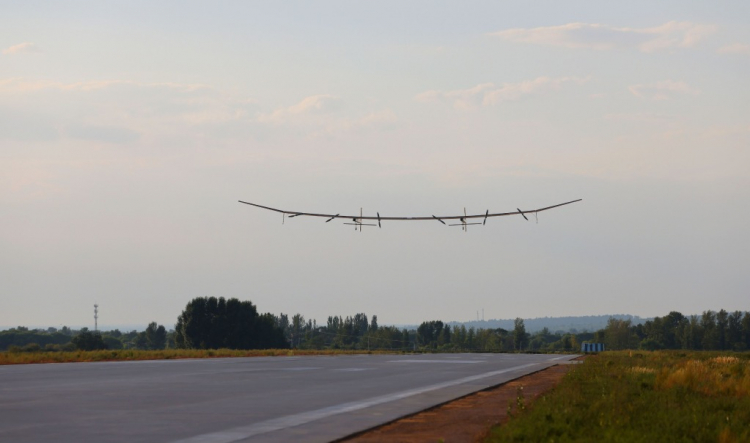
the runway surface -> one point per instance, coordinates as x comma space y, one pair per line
263, 399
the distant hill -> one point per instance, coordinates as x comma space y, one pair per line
590, 323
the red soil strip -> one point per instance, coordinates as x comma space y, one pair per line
467, 419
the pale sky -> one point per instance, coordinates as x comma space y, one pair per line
128, 131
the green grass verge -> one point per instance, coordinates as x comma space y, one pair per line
14, 358
640, 397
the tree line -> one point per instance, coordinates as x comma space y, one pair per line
710, 331
212, 323
22, 339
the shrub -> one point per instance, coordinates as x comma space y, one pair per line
31, 347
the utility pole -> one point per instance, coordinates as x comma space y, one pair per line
96, 317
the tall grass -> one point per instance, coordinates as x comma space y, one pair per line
642, 397
11, 358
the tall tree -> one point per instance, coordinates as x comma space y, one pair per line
428, 333
734, 331
520, 337
210, 323
722, 323
617, 334
298, 327
710, 334
156, 336
405, 342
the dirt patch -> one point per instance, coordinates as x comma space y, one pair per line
467, 419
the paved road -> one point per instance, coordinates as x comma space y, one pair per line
268, 399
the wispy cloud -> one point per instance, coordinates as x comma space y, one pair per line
662, 90
737, 48
597, 36
116, 111
309, 105
124, 111
383, 120
21, 48
488, 94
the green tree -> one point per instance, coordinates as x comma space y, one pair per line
405, 341
745, 334
520, 337
734, 331
111, 342
710, 334
569, 342
617, 334
156, 336
471, 339
722, 323
211, 323
140, 341
671, 326
445, 336
429, 332
88, 341
298, 327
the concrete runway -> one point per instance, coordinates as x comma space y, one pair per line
264, 399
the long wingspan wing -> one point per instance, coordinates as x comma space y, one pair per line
432, 217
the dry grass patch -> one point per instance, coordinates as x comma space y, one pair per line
11, 358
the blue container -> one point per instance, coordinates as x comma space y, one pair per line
592, 347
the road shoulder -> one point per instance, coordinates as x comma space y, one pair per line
468, 418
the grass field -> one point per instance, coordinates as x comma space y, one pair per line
640, 397
13, 358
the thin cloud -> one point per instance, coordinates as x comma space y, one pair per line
375, 121
21, 48
308, 105
662, 90
602, 37
118, 111
488, 94
737, 48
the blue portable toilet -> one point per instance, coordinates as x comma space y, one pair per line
592, 347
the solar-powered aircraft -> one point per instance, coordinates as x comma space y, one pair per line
360, 220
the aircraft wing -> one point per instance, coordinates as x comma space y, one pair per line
360, 217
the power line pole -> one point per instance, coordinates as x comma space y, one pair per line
96, 317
